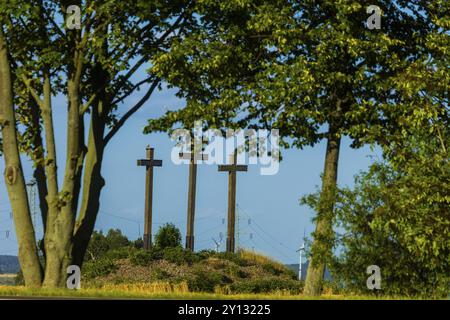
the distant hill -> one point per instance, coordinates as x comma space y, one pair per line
294, 267
9, 264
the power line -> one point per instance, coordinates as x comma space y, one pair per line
271, 245
158, 223
266, 233
269, 235
202, 241
279, 250
120, 217
210, 229
213, 215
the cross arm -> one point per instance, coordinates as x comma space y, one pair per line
149, 163
232, 167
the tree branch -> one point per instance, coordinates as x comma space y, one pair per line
88, 103
130, 112
137, 85
53, 22
32, 91
138, 64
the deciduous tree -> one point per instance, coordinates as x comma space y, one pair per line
397, 217
95, 67
313, 70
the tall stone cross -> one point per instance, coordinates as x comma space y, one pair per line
232, 169
149, 163
193, 157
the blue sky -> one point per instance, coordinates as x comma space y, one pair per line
271, 203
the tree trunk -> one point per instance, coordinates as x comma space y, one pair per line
93, 183
60, 224
39, 171
39, 161
323, 235
14, 179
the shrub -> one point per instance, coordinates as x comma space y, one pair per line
207, 281
100, 244
270, 268
97, 268
235, 271
334, 286
279, 270
180, 256
138, 243
141, 257
242, 274
291, 274
268, 264
168, 236
205, 254
160, 274
19, 281
121, 253
267, 286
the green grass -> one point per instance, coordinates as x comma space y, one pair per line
120, 293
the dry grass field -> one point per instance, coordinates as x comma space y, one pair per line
154, 291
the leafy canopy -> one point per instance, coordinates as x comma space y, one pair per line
168, 236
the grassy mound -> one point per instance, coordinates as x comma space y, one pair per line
206, 271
